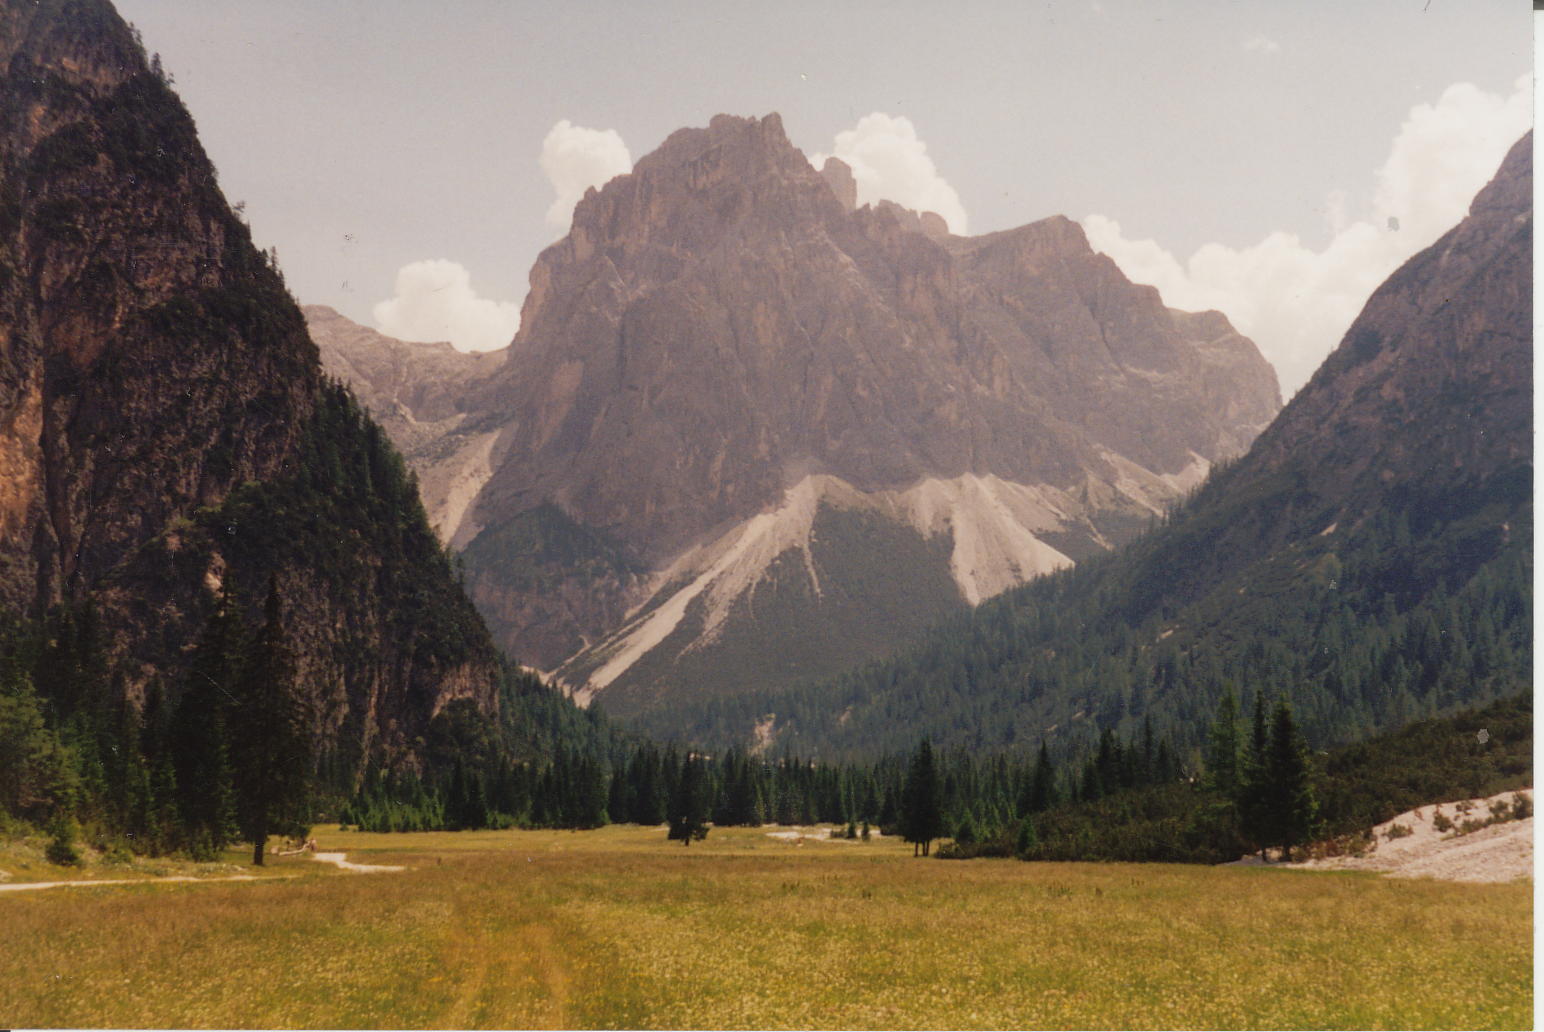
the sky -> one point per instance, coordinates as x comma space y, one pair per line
409, 161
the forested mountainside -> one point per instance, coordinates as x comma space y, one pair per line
750, 433
170, 449
1370, 559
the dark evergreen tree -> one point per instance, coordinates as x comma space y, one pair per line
37, 773
689, 804
199, 734
1292, 806
1222, 748
1254, 782
271, 736
921, 816
591, 790
1042, 785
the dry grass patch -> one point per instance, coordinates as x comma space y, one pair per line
617, 928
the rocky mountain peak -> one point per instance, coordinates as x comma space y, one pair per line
726, 350
1511, 191
85, 44
701, 189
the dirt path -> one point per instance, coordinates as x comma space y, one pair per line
341, 860
338, 859
87, 883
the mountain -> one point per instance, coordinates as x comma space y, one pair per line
749, 434
415, 392
166, 433
1370, 557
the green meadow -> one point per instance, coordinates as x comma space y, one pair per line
618, 928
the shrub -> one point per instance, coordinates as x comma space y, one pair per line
201, 847
1027, 839
1522, 806
1440, 821
61, 849
1358, 844
1397, 831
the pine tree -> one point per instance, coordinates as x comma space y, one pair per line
198, 738
271, 735
689, 804
1042, 786
1254, 782
921, 815
592, 789
160, 821
1292, 806
1027, 840
38, 774
1222, 748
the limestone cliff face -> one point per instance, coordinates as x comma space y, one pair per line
161, 401
725, 346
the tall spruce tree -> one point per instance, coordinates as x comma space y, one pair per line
921, 817
271, 741
689, 803
1222, 748
1042, 786
1292, 806
1254, 782
200, 730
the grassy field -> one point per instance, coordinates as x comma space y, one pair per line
618, 928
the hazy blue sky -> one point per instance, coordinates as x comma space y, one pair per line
367, 135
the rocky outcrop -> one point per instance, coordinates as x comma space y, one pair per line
838, 176
164, 425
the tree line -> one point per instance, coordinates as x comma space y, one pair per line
1260, 788
227, 756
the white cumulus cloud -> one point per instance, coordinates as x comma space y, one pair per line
890, 162
434, 301
1258, 44
575, 159
1296, 302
